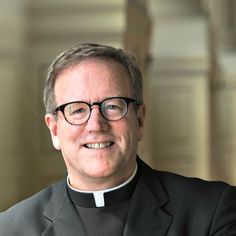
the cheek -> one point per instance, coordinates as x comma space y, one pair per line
68, 134
128, 134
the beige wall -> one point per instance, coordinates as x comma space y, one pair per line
193, 87
14, 133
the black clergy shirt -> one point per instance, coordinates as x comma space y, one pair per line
107, 219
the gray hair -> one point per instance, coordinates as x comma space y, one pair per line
76, 54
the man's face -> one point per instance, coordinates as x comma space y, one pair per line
94, 80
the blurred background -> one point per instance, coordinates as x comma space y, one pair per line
187, 52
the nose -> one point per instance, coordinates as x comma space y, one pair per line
96, 122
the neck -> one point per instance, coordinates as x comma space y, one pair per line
101, 186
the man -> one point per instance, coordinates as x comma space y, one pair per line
95, 114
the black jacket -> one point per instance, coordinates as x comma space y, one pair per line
162, 204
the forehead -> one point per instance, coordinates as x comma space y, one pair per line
93, 79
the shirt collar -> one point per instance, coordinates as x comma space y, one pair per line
106, 197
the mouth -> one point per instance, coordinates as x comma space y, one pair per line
98, 146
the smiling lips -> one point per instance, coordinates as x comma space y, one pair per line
99, 145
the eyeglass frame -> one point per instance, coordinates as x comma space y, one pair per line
127, 101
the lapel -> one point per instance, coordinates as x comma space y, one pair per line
146, 216
62, 216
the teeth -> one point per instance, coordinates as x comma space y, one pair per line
98, 145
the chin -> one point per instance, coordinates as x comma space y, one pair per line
101, 170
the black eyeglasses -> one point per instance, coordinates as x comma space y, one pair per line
112, 109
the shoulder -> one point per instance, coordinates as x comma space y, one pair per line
192, 200
36, 201
29, 212
175, 182
180, 188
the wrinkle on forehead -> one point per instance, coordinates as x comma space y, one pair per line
92, 80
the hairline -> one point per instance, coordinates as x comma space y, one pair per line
53, 74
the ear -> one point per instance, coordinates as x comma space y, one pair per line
141, 117
52, 125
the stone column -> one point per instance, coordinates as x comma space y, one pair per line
14, 104
137, 41
223, 23
179, 87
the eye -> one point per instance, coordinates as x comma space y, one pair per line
76, 109
79, 110
112, 107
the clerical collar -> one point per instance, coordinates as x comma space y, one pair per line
106, 197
